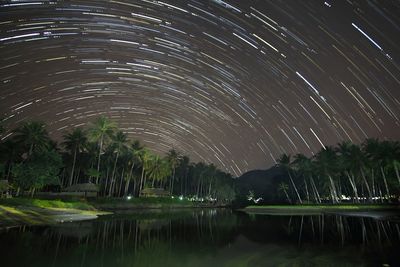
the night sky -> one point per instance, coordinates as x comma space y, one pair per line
236, 83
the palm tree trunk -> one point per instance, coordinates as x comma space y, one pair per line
353, 185
396, 169
366, 183
198, 188
287, 196
373, 182
127, 187
295, 188
385, 181
73, 169
315, 189
113, 173
128, 181
98, 160
308, 194
333, 189
141, 179
172, 182
9, 170
120, 183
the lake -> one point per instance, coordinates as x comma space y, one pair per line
209, 237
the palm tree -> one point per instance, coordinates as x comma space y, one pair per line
396, 158
380, 153
75, 142
184, 167
173, 158
326, 164
159, 169
284, 188
119, 142
144, 157
133, 154
10, 153
345, 162
33, 135
211, 172
101, 131
199, 171
304, 165
284, 163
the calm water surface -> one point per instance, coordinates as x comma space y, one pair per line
205, 238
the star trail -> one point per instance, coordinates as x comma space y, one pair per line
236, 83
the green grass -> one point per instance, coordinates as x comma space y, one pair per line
21, 211
44, 204
143, 202
324, 207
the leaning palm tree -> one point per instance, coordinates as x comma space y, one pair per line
100, 132
32, 135
75, 142
284, 163
173, 158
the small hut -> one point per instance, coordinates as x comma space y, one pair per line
154, 192
87, 189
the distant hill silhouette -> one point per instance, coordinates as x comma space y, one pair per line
264, 183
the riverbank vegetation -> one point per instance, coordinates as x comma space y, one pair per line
366, 173
21, 211
103, 155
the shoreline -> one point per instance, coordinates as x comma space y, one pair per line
23, 211
378, 212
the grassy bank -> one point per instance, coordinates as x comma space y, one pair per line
319, 209
21, 211
142, 203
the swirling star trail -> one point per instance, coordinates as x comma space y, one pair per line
236, 83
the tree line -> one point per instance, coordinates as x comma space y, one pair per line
368, 172
103, 155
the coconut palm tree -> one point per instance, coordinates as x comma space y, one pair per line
183, 171
101, 131
284, 163
304, 166
173, 158
283, 187
33, 135
75, 142
159, 169
347, 167
380, 153
133, 155
119, 143
144, 156
326, 165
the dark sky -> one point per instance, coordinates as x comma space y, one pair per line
236, 83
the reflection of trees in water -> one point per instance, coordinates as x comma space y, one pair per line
201, 238
322, 228
121, 241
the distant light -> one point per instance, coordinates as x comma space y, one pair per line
181, 197
128, 197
